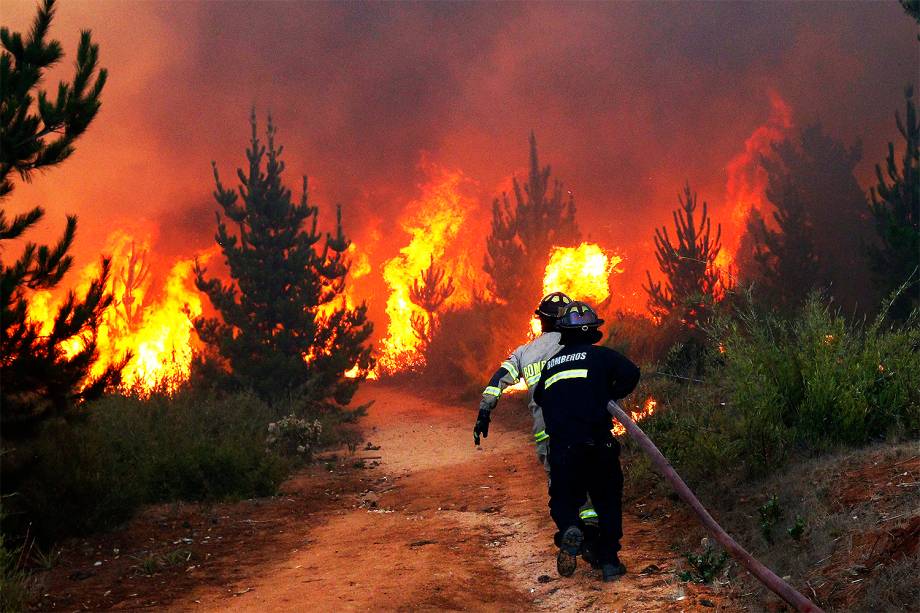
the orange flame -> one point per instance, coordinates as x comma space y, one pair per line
433, 221
359, 266
637, 416
582, 272
747, 180
159, 333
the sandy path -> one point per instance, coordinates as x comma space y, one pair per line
446, 526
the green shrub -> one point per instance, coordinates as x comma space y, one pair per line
770, 514
774, 387
704, 566
797, 530
816, 382
294, 436
130, 451
14, 581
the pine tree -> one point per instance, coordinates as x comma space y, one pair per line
786, 257
39, 377
818, 202
522, 235
912, 8
430, 295
132, 277
896, 211
269, 331
691, 280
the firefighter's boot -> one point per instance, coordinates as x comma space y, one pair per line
569, 549
612, 570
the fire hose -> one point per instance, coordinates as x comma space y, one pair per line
761, 572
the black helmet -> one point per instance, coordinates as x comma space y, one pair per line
552, 305
578, 316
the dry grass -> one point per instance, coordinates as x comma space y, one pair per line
860, 548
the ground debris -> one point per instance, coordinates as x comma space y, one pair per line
421, 543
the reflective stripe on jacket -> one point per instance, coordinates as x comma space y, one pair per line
526, 362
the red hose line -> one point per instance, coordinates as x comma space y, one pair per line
763, 574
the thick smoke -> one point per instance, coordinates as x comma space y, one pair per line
628, 102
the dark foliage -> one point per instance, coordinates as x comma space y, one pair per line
133, 451
895, 205
819, 208
470, 344
691, 278
38, 378
37, 136
271, 333
430, 296
912, 8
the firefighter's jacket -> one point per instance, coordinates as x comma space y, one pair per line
525, 363
575, 386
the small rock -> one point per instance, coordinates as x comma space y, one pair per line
706, 603
544, 579
648, 570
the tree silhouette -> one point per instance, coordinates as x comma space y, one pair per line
691, 280
821, 208
895, 205
269, 331
786, 256
523, 234
45, 374
42, 135
912, 8
133, 276
430, 295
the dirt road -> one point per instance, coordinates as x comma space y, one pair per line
445, 526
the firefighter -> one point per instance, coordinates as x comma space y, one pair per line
526, 362
574, 388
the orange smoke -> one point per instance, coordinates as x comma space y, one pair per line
433, 222
647, 409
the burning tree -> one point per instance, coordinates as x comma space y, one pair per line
896, 210
522, 235
692, 281
430, 295
45, 375
270, 333
132, 277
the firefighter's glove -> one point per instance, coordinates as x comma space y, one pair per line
482, 425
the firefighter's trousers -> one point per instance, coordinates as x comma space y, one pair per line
582, 469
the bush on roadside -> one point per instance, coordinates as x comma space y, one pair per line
14, 581
775, 387
130, 451
294, 436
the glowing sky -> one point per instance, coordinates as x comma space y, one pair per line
627, 100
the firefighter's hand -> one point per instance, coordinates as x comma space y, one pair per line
482, 425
